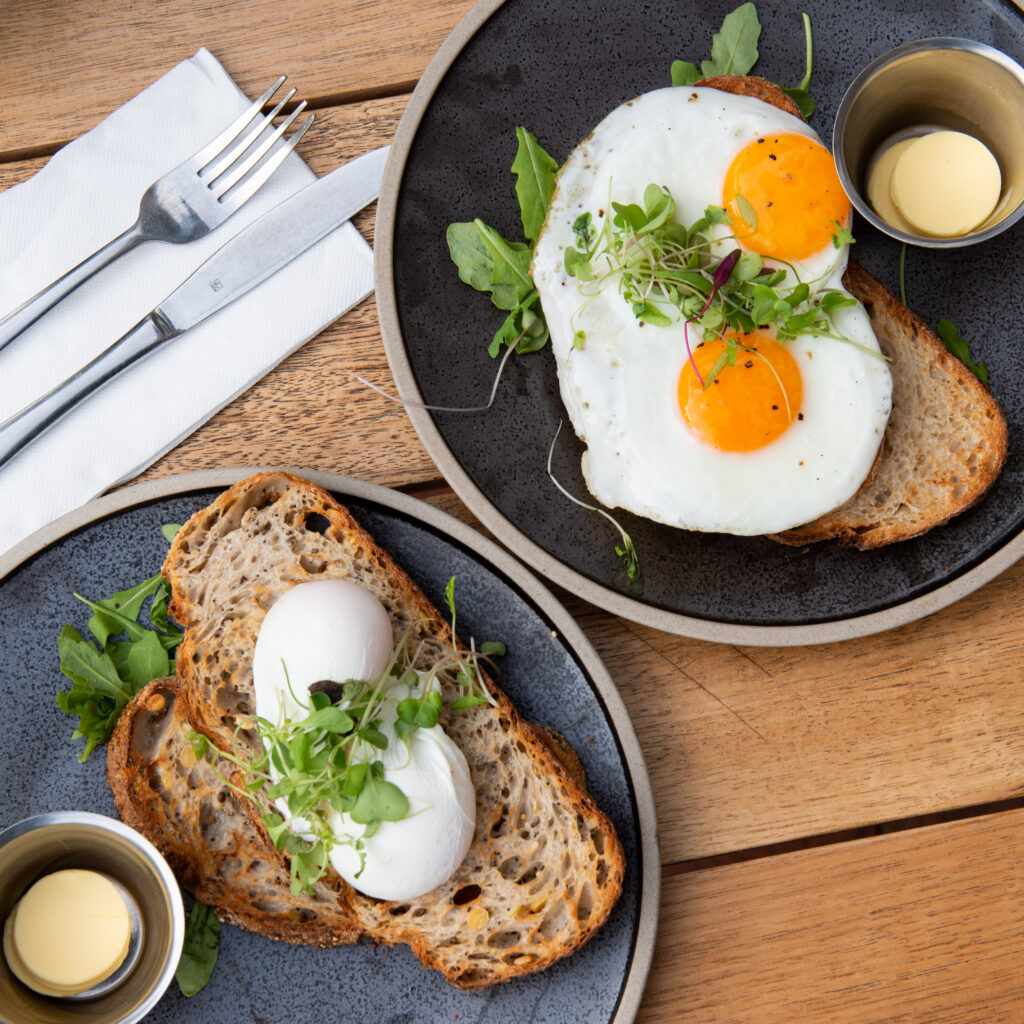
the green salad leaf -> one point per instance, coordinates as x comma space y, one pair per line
799, 94
734, 52
733, 49
200, 951
535, 171
491, 264
123, 656
950, 335
734, 45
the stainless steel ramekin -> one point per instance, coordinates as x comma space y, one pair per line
52, 842
948, 83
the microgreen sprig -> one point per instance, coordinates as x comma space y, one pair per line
630, 562
670, 272
327, 762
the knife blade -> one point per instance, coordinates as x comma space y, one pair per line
254, 254
273, 240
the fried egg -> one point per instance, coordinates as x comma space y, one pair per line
791, 430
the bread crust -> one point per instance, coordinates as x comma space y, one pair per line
751, 85
540, 881
912, 488
213, 839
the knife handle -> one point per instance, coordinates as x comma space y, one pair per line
34, 420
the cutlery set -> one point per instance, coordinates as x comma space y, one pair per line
186, 204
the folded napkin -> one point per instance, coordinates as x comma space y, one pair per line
87, 194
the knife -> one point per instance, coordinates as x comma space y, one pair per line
249, 258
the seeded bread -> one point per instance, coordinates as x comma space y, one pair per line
946, 439
545, 866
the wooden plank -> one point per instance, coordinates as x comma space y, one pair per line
755, 746
919, 927
64, 68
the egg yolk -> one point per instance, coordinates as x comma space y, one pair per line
744, 406
791, 184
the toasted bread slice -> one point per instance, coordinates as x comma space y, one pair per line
214, 840
545, 866
946, 439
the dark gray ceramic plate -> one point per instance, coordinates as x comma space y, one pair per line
558, 68
551, 672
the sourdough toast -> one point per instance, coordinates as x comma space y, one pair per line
946, 438
545, 866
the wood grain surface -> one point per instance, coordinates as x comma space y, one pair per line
839, 825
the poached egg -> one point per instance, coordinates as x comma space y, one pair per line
335, 631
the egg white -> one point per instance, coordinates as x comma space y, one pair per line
406, 859
620, 389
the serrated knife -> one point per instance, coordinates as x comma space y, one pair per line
257, 252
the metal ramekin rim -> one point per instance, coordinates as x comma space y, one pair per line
935, 43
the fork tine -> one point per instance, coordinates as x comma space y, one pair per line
231, 153
211, 149
252, 159
246, 188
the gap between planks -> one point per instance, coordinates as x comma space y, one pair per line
337, 99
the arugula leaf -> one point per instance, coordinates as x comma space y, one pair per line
470, 254
199, 953
139, 661
107, 676
733, 49
510, 263
950, 335
488, 263
125, 604
685, 73
799, 94
734, 45
523, 327
535, 171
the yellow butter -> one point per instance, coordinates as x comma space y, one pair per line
69, 932
879, 182
946, 183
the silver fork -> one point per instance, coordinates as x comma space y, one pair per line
189, 201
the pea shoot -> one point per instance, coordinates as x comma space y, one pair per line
670, 272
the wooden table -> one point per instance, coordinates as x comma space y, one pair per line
841, 827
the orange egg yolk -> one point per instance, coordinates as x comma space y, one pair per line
791, 184
744, 406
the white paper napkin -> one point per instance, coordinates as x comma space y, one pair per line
87, 194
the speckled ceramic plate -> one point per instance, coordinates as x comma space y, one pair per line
551, 672
557, 69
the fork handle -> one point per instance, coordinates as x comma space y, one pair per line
34, 420
32, 309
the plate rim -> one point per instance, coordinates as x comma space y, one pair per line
646, 928
519, 543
